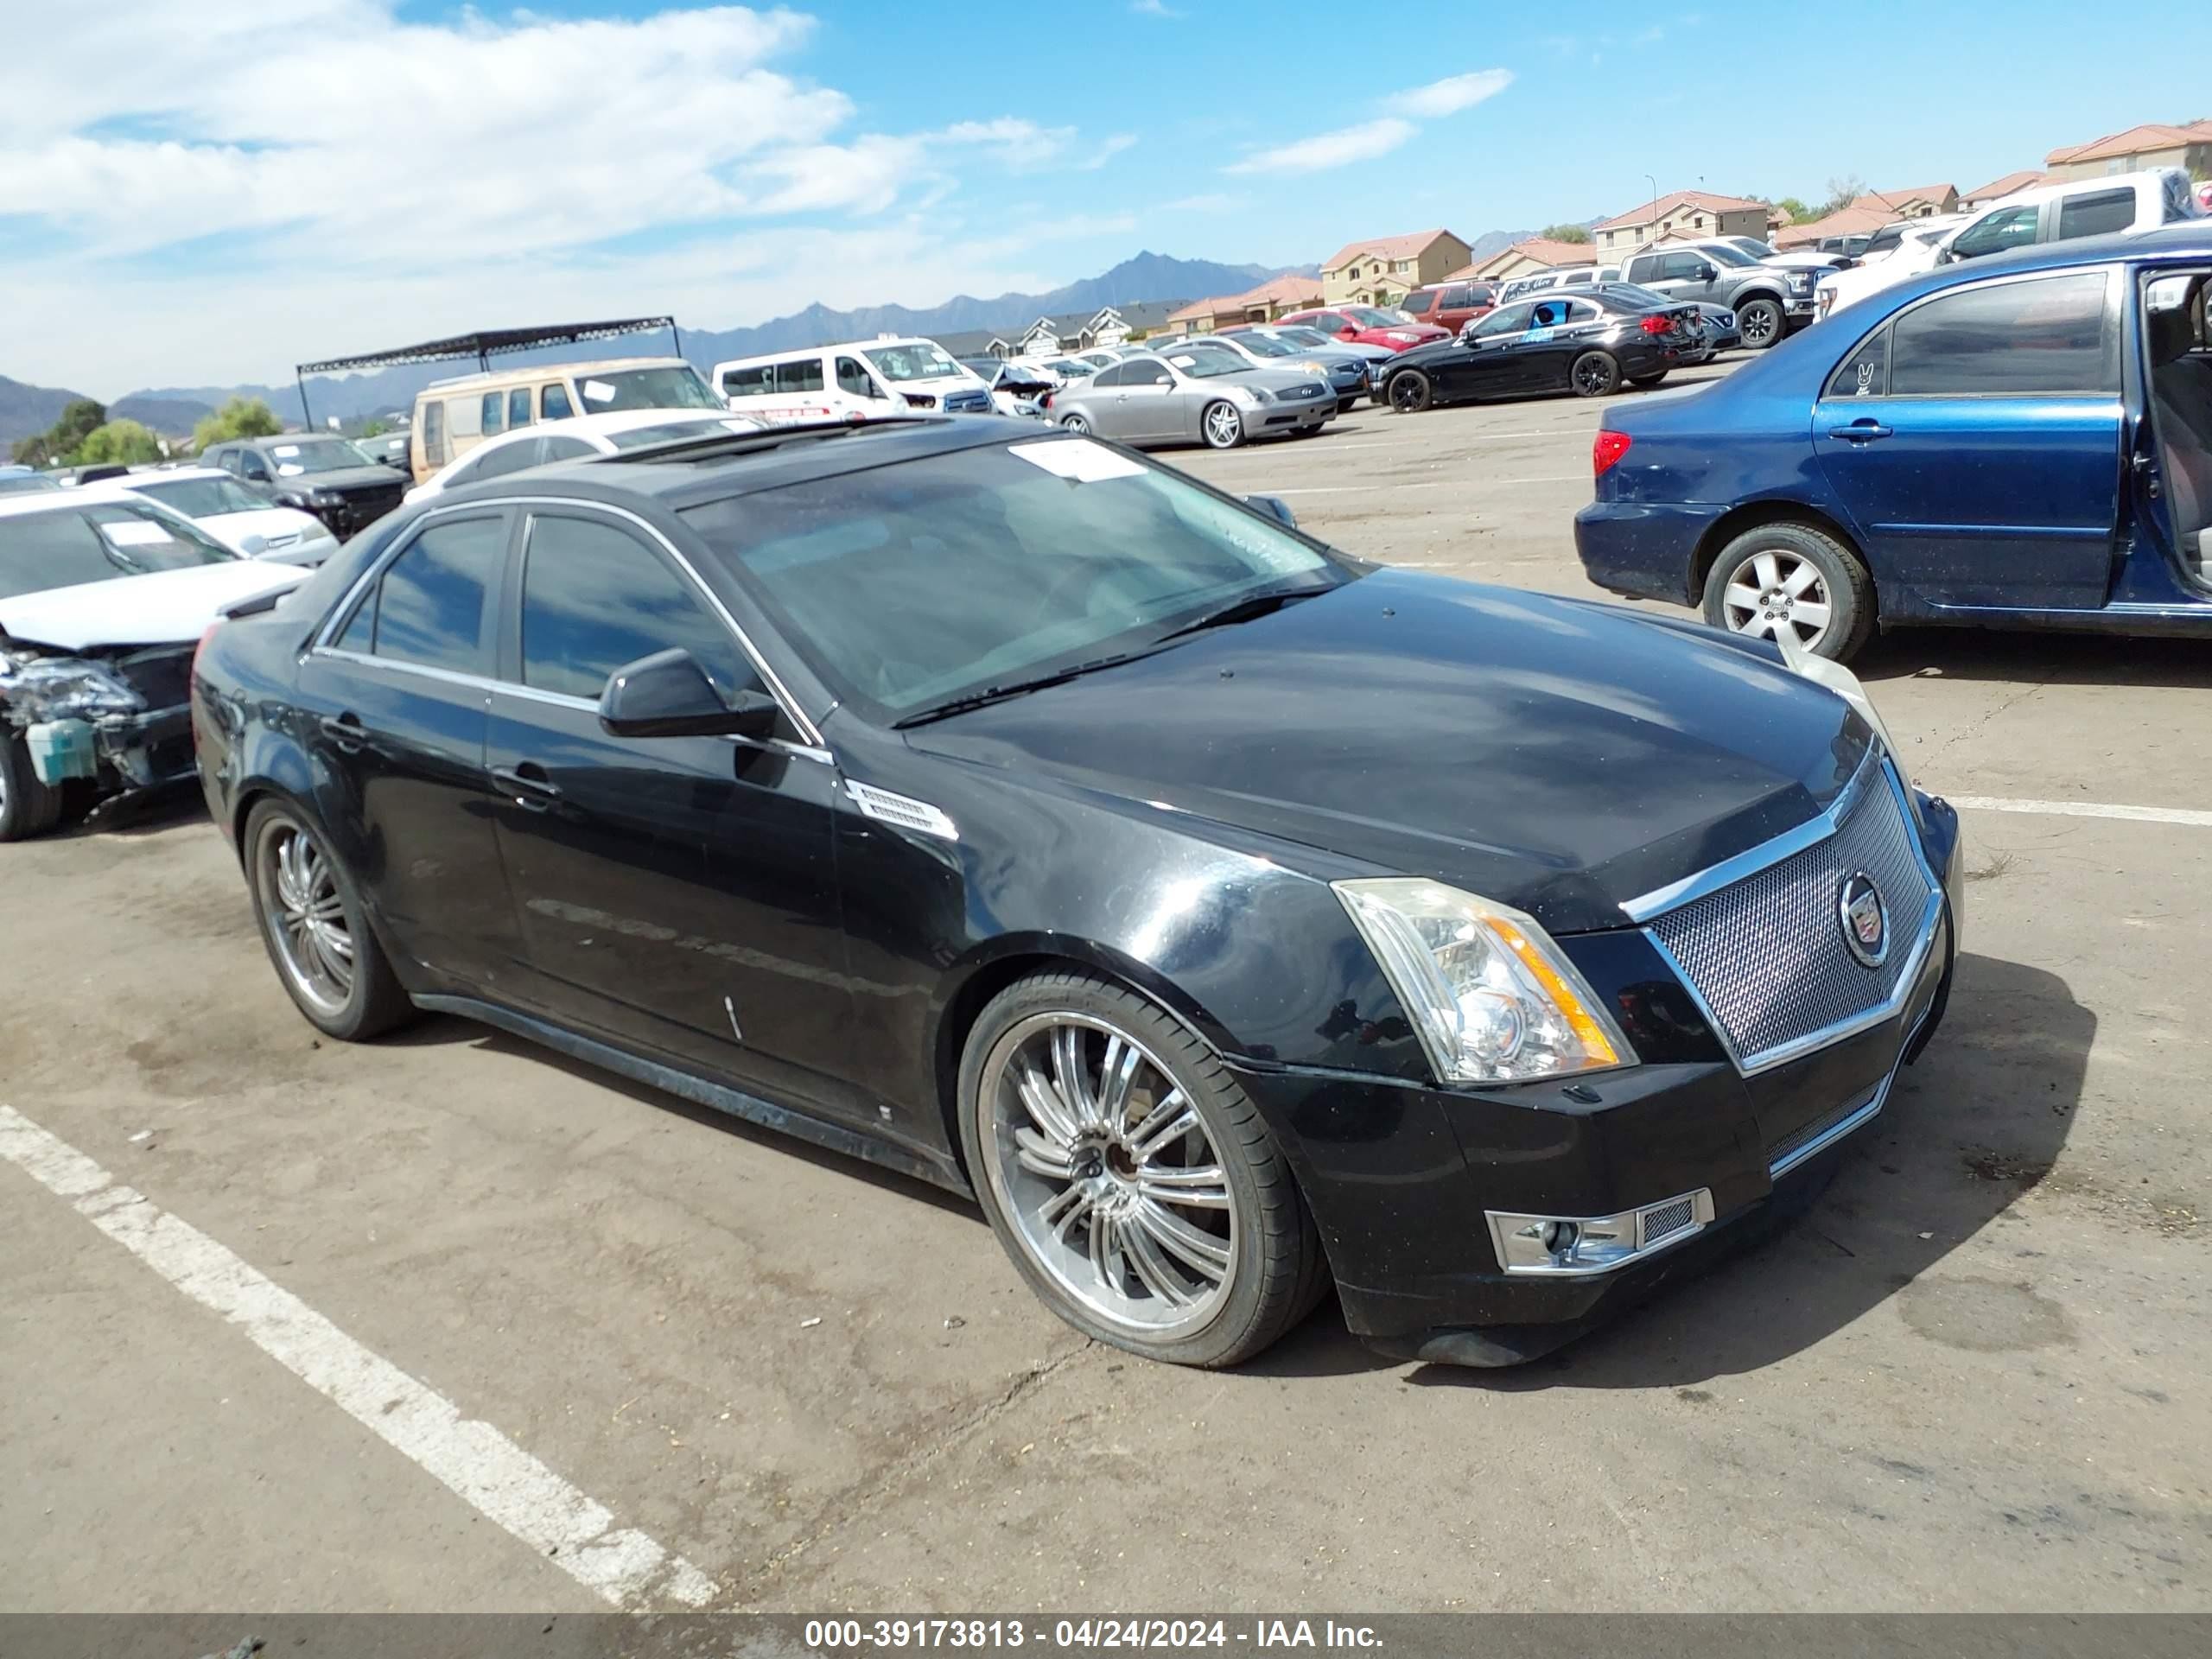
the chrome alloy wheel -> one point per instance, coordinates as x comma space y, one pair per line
1223, 426
1106, 1170
1773, 591
306, 918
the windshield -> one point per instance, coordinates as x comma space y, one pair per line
1302, 336
18, 483
918, 361
97, 541
675, 385
1206, 362
1265, 346
203, 497
1636, 294
1368, 317
668, 431
914, 585
1726, 253
316, 455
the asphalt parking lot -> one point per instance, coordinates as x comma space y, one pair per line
720, 1365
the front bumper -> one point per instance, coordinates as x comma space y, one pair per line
133, 752
1403, 1181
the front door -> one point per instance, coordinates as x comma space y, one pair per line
1147, 404
1489, 369
673, 894
393, 709
1974, 442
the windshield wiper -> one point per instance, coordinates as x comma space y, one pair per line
1243, 610
1000, 693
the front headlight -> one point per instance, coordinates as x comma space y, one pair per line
1492, 999
66, 688
1251, 394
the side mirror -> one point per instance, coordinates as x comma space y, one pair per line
1707, 273
1275, 506
253, 546
669, 694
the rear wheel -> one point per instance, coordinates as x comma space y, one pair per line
27, 807
1792, 579
1410, 392
1760, 323
1222, 427
1076, 424
1130, 1177
315, 930
1595, 374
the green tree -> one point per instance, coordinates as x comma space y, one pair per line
1793, 210
81, 416
241, 418
375, 429
1564, 233
118, 440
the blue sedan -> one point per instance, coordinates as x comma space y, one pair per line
2020, 441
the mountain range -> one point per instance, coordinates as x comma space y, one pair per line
26, 410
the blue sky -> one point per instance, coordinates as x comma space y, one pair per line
245, 191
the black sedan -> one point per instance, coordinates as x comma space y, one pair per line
1588, 343
1229, 917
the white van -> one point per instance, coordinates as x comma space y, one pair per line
860, 380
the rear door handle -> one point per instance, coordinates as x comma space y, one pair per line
344, 732
527, 785
1859, 431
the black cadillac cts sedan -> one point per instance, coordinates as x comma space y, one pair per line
1230, 916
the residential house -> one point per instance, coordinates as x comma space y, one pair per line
1685, 214
1072, 331
2189, 146
1384, 270
1870, 212
1997, 189
1270, 299
1523, 258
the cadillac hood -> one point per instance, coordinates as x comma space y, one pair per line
163, 607
1559, 756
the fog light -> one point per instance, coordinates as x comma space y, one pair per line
1590, 1244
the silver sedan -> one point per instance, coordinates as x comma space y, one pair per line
1191, 394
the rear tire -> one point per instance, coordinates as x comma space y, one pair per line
1595, 374
316, 931
1076, 424
27, 807
1747, 596
1410, 392
1210, 1277
1760, 324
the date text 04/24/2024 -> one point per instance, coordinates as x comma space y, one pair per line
828, 1636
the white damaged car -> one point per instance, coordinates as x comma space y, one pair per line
238, 517
104, 598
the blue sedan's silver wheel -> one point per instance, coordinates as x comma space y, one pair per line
1776, 590
1100, 1159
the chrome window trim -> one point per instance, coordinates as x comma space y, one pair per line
1751, 860
1926, 930
813, 747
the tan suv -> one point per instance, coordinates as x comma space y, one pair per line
453, 416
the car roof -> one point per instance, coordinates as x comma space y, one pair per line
283, 437
167, 473
108, 490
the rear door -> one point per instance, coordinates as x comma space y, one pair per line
392, 699
1974, 442
672, 893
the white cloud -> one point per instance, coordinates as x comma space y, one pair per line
1325, 149
1214, 202
1453, 93
1154, 9
1106, 151
338, 179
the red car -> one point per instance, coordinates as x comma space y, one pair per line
1450, 306
1367, 326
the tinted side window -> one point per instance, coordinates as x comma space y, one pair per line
2043, 336
853, 379
2095, 215
2015, 227
553, 402
595, 597
1508, 319
1865, 372
1419, 305
518, 407
804, 375
507, 458
756, 382
1642, 269
431, 603
433, 433
1117, 376
1145, 374
493, 420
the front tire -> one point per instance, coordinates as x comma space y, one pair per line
1411, 391
1595, 374
1076, 424
1760, 324
1129, 1176
27, 807
315, 930
1221, 426
1793, 577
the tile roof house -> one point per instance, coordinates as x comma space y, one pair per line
1870, 212
1684, 214
1522, 259
1383, 269
1997, 189
1264, 304
2154, 145
1072, 331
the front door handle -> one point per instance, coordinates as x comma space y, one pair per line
344, 732
1859, 431
527, 785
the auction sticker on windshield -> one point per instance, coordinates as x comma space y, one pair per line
598, 392
135, 533
1077, 460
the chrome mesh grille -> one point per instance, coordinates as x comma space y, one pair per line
1663, 1219
1767, 952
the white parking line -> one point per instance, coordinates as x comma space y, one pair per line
503, 1482
2083, 810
